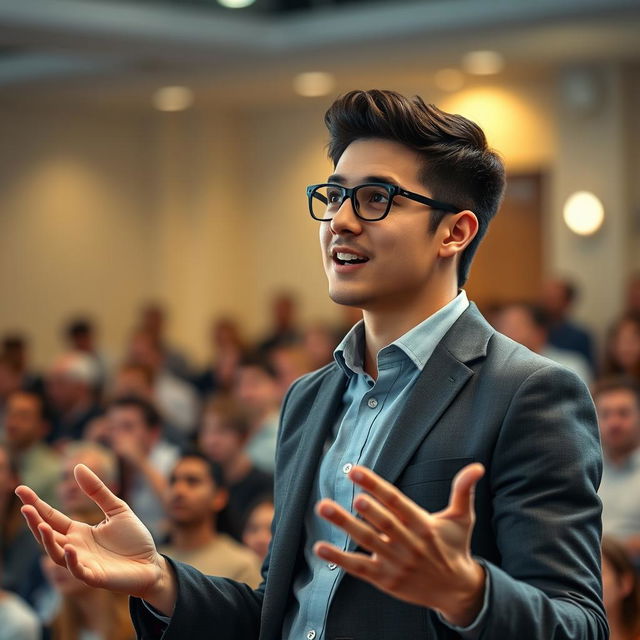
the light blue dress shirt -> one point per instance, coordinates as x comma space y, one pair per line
369, 411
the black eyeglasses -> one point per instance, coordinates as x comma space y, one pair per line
371, 201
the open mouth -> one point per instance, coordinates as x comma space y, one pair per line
342, 257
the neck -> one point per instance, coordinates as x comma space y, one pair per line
190, 537
618, 456
236, 469
384, 325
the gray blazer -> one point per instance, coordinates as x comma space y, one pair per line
481, 397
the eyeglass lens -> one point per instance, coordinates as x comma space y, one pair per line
372, 201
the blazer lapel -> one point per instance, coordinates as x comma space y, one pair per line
441, 380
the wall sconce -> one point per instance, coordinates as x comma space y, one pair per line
583, 213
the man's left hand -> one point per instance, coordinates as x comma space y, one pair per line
420, 557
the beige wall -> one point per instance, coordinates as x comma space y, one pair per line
206, 209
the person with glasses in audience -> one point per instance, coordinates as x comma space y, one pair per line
436, 480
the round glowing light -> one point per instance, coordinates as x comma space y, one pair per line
236, 4
313, 84
173, 98
583, 213
449, 79
483, 63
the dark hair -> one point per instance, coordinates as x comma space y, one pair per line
78, 327
259, 361
618, 558
458, 166
147, 410
616, 383
232, 415
213, 468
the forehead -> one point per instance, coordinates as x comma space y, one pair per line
191, 467
621, 398
384, 158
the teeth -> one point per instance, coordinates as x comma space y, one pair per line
347, 256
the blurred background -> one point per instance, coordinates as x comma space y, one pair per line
158, 150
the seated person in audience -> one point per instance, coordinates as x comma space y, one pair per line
10, 382
15, 350
633, 294
195, 497
618, 405
284, 323
528, 324
80, 334
71, 387
135, 435
621, 591
26, 429
86, 613
290, 362
18, 548
223, 434
558, 299
256, 533
175, 398
320, 341
622, 355
258, 391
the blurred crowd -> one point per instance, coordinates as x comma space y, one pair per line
193, 450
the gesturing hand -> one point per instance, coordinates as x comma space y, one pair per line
118, 554
420, 557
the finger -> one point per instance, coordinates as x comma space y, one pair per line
33, 520
386, 522
359, 531
51, 545
359, 565
410, 514
463, 491
52, 516
98, 491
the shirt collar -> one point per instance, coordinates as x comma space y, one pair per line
418, 344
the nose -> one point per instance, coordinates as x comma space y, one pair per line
345, 220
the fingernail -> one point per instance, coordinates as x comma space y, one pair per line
357, 475
361, 504
327, 510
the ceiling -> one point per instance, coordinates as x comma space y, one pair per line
117, 50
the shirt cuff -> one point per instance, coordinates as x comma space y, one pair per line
473, 631
156, 613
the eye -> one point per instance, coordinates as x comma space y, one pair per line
334, 196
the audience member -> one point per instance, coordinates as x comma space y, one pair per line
71, 386
558, 299
17, 620
18, 549
10, 382
256, 533
319, 341
16, 350
153, 321
618, 405
289, 362
528, 324
258, 390
227, 350
25, 431
195, 497
223, 435
86, 613
284, 323
622, 355
632, 302
135, 435
80, 336
175, 398
621, 591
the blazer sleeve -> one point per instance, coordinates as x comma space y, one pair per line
544, 476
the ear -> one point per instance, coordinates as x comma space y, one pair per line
626, 584
220, 500
458, 232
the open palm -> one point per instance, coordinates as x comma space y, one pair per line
117, 554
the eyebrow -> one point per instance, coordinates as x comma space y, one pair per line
340, 179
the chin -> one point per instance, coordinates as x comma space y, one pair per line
348, 298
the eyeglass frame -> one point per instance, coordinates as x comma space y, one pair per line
392, 189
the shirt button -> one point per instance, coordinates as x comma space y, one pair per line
347, 467
332, 566
372, 402
311, 634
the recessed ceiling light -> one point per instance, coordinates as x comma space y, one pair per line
236, 4
173, 98
583, 213
483, 63
313, 84
449, 79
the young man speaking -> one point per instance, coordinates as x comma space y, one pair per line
437, 480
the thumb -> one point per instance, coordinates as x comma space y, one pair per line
463, 491
98, 491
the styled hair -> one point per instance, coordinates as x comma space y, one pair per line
457, 164
213, 468
616, 383
149, 413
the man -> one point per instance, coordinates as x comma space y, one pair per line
428, 396
195, 497
26, 429
135, 435
618, 405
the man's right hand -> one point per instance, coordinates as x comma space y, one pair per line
118, 554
